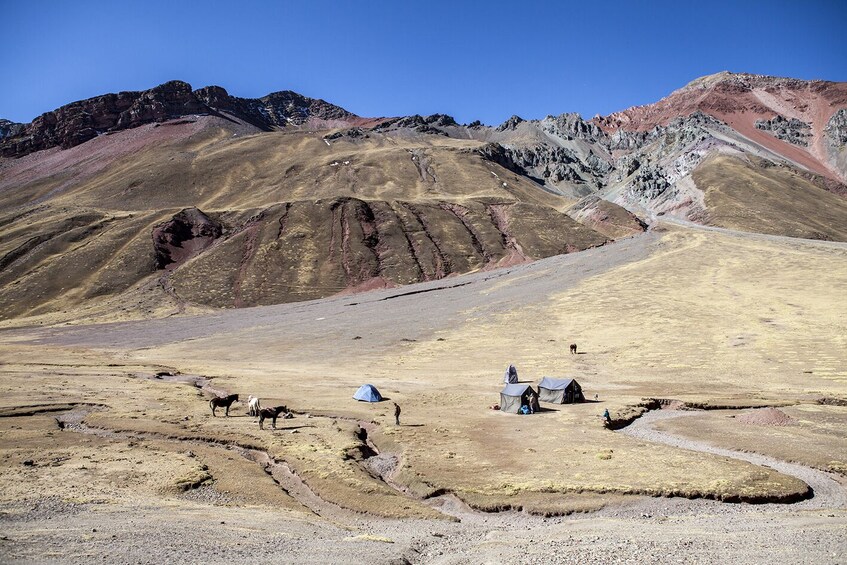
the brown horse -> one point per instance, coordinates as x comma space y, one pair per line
573, 349
225, 401
271, 413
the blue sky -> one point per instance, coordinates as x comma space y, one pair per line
480, 60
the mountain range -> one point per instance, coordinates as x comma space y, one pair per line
172, 199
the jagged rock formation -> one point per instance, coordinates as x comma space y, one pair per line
510, 124
8, 129
571, 126
835, 142
277, 109
793, 130
836, 128
78, 122
649, 183
81, 121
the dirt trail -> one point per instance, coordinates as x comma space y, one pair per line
828, 493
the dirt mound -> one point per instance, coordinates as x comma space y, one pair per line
766, 417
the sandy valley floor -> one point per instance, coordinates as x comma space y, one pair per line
101, 458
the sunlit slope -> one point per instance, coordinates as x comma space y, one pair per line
287, 216
755, 195
214, 169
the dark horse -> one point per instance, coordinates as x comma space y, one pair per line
271, 413
225, 401
573, 349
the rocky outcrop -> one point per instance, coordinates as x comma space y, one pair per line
793, 131
551, 163
572, 126
9, 129
496, 153
835, 143
836, 128
649, 183
433, 124
351, 133
680, 131
78, 122
510, 124
546, 163
187, 234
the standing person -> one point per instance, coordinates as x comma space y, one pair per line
396, 414
533, 403
606, 416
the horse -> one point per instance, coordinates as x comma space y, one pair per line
225, 401
573, 349
271, 413
253, 405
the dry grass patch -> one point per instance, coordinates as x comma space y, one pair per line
39, 460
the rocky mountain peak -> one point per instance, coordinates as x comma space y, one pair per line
742, 100
510, 124
80, 121
734, 82
213, 96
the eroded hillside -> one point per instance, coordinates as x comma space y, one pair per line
207, 214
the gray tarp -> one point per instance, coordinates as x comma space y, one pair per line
513, 396
559, 391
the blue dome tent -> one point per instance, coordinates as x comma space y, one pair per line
368, 393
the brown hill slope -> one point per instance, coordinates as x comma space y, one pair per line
212, 213
756, 195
